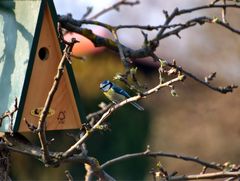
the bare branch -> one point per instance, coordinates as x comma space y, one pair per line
224, 12
215, 175
10, 115
223, 90
68, 175
75, 26
42, 121
210, 6
4, 165
89, 10
125, 60
114, 6
148, 153
200, 21
98, 113
167, 21
210, 77
93, 169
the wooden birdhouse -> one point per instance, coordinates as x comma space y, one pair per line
29, 56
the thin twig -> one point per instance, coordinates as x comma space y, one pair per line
98, 113
93, 169
200, 21
215, 175
210, 6
162, 154
114, 6
224, 12
125, 61
10, 115
166, 23
223, 90
68, 175
86, 14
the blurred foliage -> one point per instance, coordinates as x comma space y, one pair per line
91, 72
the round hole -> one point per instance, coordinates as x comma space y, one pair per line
43, 53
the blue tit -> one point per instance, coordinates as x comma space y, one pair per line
116, 94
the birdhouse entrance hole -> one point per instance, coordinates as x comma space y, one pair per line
43, 53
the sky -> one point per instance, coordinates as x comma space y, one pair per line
78, 8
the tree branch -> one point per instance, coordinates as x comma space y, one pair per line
148, 153
10, 115
215, 175
42, 121
75, 26
223, 90
68, 175
114, 6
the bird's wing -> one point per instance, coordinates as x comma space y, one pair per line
120, 91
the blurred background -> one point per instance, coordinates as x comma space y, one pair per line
199, 122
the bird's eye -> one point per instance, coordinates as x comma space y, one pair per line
106, 87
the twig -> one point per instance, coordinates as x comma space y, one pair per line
69, 21
146, 27
125, 61
98, 113
224, 12
223, 90
210, 6
215, 175
85, 15
4, 165
114, 6
231, 179
10, 115
167, 21
68, 175
42, 121
200, 21
95, 116
214, 2
93, 169
31, 126
215, 166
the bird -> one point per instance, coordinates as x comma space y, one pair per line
116, 94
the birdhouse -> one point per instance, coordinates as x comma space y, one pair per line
29, 56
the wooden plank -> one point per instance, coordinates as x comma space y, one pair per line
63, 109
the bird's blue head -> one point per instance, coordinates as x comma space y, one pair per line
106, 85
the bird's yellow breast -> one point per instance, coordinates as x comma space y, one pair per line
113, 96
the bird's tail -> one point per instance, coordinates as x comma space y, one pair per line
140, 108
